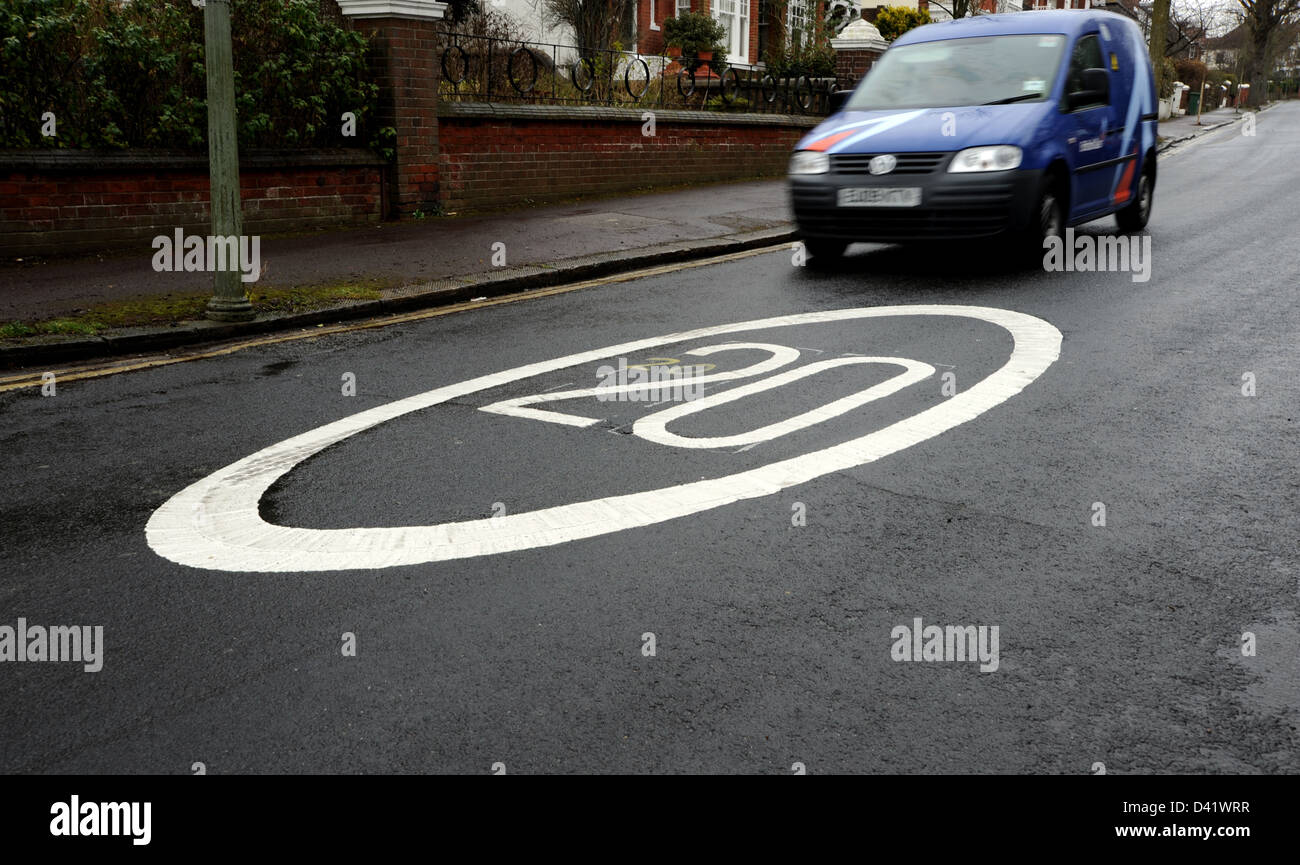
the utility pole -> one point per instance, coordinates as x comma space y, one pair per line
229, 302
1236, 97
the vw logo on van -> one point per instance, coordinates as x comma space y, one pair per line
882, 164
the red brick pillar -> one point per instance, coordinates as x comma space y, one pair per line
856, 48
405, 64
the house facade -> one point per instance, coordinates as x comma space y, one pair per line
747, 22
941, 10
740, 18
1063, 4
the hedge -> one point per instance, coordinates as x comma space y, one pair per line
130, 73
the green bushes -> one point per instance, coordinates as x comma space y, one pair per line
132, 75
1168, 75
790, 55
296, 73
694, 32
812, 56
894, 21
719, 103
1190, 72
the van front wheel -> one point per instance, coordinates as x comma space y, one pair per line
1135, 216
1046, 220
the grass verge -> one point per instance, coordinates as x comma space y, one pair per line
173, 309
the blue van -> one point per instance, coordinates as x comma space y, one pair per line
1008, 126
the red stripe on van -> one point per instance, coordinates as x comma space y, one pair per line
822, 144
1125, 190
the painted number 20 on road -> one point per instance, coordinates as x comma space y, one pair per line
215, 523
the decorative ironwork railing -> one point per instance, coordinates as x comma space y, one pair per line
488, 69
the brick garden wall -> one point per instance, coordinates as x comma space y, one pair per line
494, 156
457, 156
60, 202
55, 202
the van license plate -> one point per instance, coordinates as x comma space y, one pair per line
880, 196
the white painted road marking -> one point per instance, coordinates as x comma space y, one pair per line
518, 407
651, 427
215, 523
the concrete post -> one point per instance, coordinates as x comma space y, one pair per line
229, 302
856, 48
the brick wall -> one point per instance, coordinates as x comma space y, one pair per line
496, 156
60, 202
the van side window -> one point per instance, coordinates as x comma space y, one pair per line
1086, 55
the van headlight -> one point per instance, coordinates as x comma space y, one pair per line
809, 162
999, 158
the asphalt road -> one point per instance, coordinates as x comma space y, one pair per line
773, 641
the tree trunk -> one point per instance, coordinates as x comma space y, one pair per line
1159, 25
1257, 64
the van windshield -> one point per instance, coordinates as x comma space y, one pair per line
980, 70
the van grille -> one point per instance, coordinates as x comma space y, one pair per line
979, 210
908, 163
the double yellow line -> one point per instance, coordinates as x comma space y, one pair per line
98, 369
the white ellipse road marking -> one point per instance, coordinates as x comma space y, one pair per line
214, 523
652, 427
518, 407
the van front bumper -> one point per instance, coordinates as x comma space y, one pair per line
953, 206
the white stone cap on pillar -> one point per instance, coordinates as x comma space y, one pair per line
858, 35
422, 9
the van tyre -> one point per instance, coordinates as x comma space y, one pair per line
1046, 219
1134, 217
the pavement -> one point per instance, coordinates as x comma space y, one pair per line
1185, 127
773, 601
419, 262
422, 263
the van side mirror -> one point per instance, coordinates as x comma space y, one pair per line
835, 101
1096, 89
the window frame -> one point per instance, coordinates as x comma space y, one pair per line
1069, 73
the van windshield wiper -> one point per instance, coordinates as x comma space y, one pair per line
1010, 99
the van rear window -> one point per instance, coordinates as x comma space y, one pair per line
983, 70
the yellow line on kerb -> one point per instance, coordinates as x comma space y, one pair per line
98, 369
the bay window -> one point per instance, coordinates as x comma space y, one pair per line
733, 15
